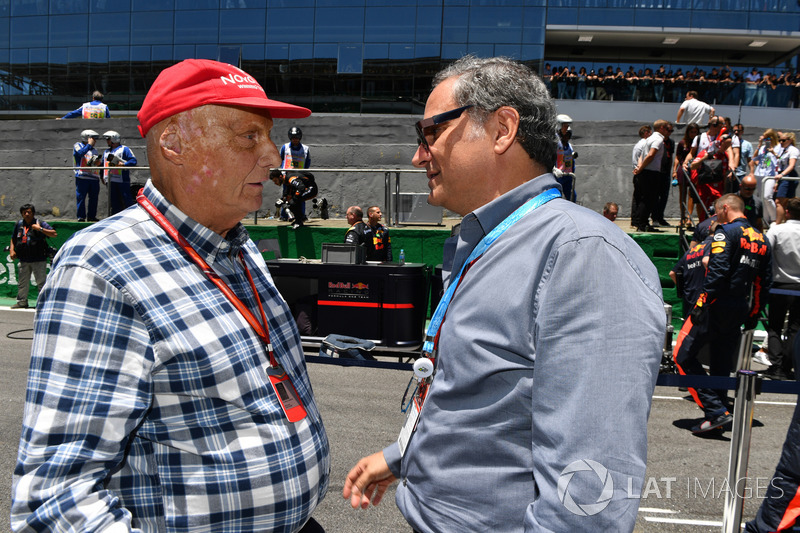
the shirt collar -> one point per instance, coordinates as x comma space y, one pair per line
493, 213
208, 244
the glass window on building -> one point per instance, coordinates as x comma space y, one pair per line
350, 58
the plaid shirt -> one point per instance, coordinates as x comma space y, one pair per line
148, 405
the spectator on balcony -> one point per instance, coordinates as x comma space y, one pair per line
752, 80
591, 85
659, 82
678, 82
581, 84
572, 83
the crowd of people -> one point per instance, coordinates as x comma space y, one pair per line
720, 86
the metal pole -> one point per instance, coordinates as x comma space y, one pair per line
745, 350
397, 198
740, 450
387, 193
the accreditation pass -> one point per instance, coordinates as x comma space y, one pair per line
410, 424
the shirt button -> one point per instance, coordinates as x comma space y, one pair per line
405, 481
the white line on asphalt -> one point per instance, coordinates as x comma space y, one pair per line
683, 521
657, 510
765, 402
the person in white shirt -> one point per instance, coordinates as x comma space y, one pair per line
784, 240
694, 109
787, 161
764, 166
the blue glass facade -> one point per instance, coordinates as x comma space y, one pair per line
330, 55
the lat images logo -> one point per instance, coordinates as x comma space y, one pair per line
585, 509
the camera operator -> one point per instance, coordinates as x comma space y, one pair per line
29, 245
87, 182
297, 188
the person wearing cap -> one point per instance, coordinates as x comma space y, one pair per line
29, 246
167, 387
294, 154
565, 158
118, 179
511, 390
94, 109
87, 180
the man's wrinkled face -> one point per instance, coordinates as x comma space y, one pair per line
228, 154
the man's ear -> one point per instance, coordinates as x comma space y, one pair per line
507, 119
170, 143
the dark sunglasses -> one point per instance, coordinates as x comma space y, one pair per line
748, 188
781, 140
435, 120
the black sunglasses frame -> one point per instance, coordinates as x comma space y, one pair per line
435, 120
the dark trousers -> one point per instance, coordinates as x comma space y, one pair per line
662, 190
781, 506
720, 329
779, 350
121, 197
645, 197
87, 189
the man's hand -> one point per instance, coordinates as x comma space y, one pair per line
368, 481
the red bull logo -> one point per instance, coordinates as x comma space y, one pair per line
752, 235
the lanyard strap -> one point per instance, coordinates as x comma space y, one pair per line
261, 330
431, 338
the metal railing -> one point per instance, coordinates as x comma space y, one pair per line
391, 206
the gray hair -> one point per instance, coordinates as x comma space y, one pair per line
489, 84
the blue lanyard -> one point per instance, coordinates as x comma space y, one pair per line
479, 250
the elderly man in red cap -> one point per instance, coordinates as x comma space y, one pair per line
167, 387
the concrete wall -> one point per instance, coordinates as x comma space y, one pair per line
344, 141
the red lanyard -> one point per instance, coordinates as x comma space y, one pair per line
261, 330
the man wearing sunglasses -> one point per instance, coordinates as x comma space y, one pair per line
752, 205
526, 362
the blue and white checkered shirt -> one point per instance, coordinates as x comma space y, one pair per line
148, 405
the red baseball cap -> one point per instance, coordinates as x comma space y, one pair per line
196, 82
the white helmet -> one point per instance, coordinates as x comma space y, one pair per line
564, 119
85, 134
112, 136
